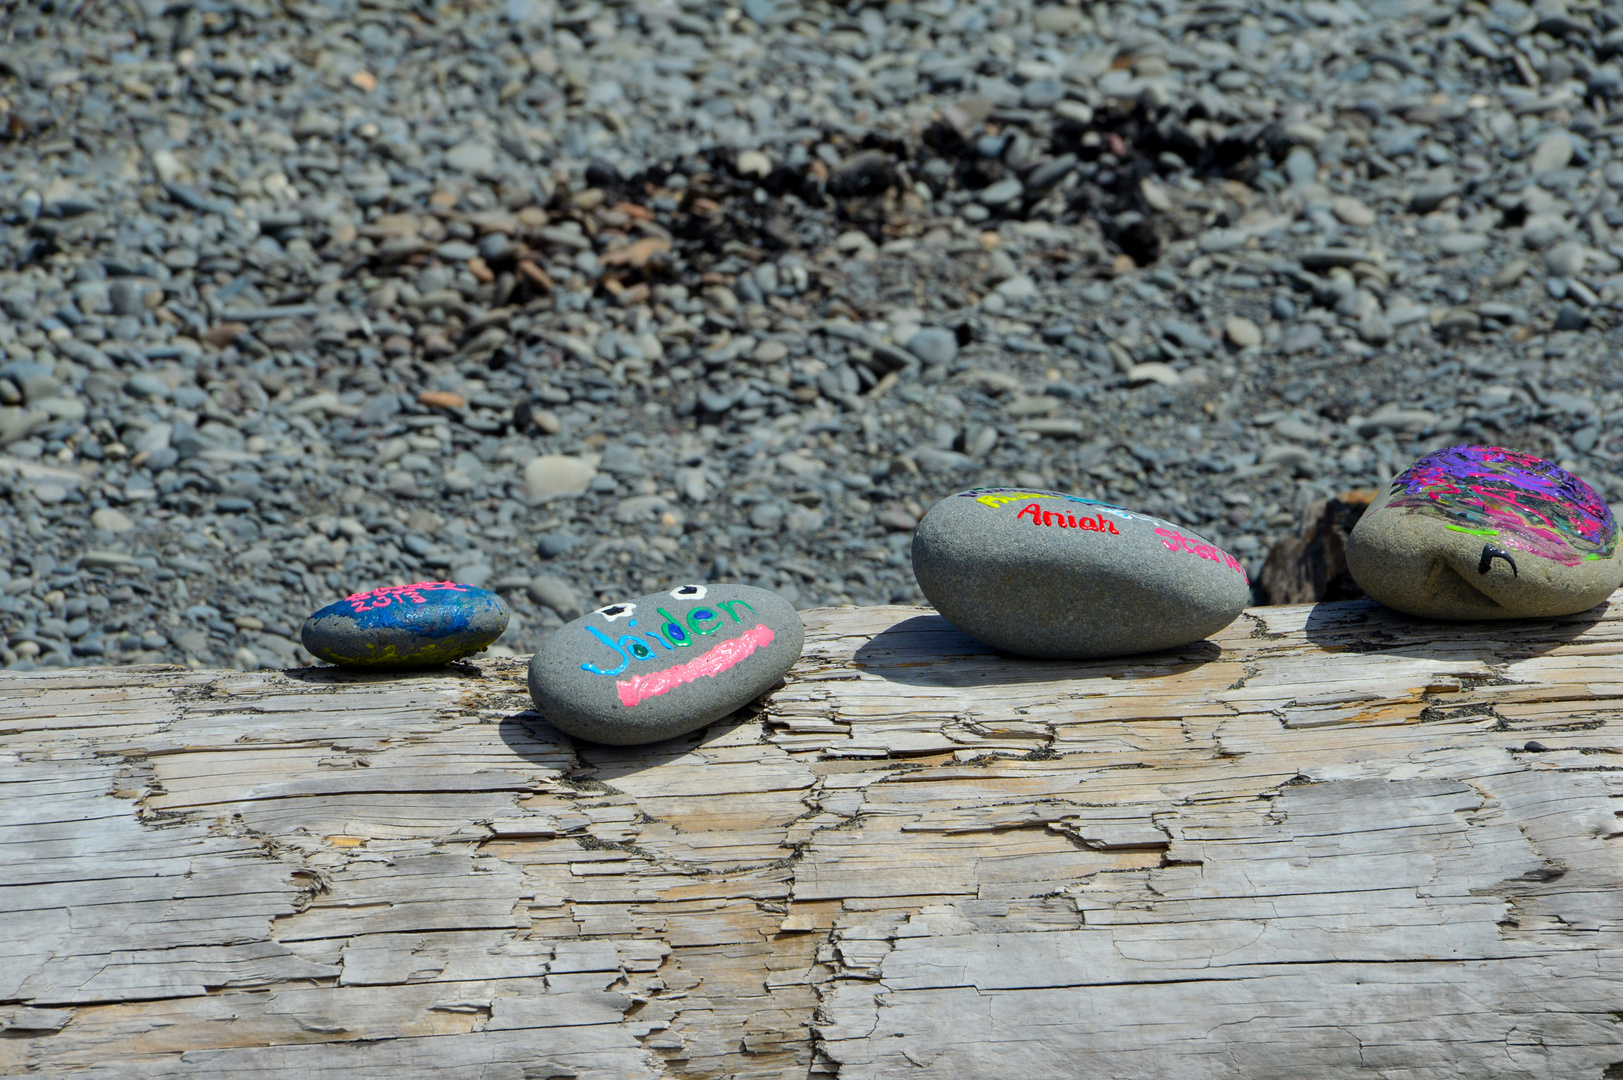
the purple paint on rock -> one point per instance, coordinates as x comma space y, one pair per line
1525, 502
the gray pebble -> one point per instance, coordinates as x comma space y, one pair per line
1462, 243
934, 345
1571, 317
1301, 338
124, 294
1566, 259
1004, 191
553, 544
556, 594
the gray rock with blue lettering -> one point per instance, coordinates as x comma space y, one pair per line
1049, 575
666, 664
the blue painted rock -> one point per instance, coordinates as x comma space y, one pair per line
403, 626
664, 665
1481, 532
1040, 573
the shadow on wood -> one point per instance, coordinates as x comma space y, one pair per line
1366, 626
342, 676
927, 650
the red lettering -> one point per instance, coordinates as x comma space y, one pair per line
1063, 520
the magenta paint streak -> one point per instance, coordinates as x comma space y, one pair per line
1525, 502
725, 655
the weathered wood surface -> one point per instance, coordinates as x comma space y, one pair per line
1317, 847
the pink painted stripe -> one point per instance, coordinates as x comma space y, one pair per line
714, 662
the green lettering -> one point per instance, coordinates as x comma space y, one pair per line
728, 605
672, 630
698, 615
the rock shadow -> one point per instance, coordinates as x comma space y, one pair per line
927, 650
532, 737
342, 676
1369, 627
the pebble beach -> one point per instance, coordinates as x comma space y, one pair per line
581, 302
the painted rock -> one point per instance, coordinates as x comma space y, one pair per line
1479, 532
402, 626
1043, 574
663, 665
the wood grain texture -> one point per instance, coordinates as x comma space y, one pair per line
1332, 842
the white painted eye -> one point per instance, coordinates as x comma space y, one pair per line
616, 611
689, 592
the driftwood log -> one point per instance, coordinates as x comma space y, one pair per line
1334, 842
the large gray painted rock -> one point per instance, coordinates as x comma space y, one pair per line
1480, 532
404, 626
1043, 574
666, 664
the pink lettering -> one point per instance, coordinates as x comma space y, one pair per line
391, 594
1176, 541
725, 655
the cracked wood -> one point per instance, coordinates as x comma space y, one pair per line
1333, 841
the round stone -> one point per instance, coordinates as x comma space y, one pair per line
403, 626
1242, 332
556, 474
1480, 532
934, 345
1044, 574
666, 664
1352, 212
111, 520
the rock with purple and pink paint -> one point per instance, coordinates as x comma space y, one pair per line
663, 665
1481, 532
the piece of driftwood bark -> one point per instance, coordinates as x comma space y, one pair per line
1311, 566
1334, 842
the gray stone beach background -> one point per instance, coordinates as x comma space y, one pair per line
581, 301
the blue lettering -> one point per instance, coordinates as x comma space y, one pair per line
605, 639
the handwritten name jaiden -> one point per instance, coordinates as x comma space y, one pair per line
1099, 523
672, 635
